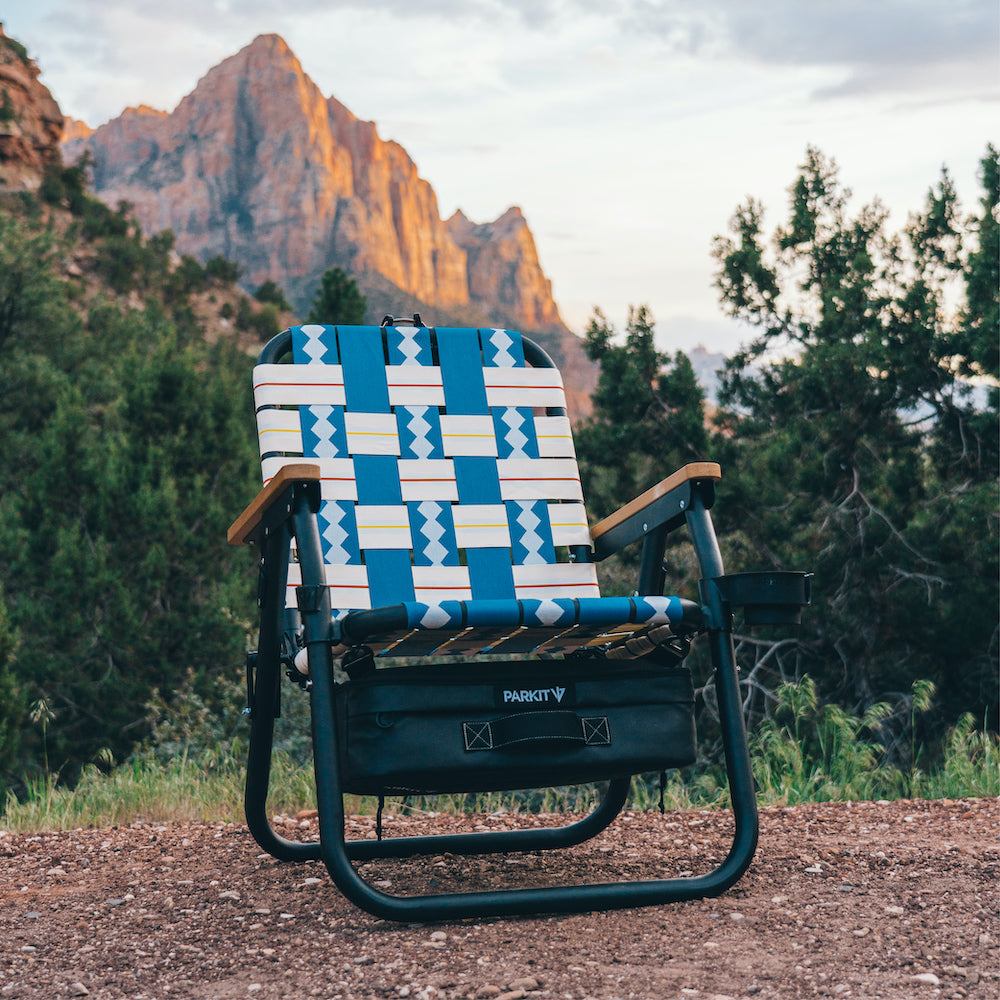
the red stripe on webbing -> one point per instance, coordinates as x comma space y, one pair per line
300, 385
531, 386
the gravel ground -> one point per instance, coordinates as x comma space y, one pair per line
891, 900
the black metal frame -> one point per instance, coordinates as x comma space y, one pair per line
293, 515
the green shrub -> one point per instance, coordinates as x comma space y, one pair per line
225, 272
187, 278
270, 292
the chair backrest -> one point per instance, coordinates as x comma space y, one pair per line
448, 467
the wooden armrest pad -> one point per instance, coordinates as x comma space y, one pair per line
696, 470
244, 526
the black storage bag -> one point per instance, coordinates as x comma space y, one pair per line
512, 725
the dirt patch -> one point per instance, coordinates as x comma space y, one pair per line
891, 900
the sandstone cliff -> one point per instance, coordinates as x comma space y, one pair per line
30, 120
257, 165
503, 267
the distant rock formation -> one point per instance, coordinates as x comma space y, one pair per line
31, 123
255, 164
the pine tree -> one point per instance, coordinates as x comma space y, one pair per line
338, 300
648, 420
844, 419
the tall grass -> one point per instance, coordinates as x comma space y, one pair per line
184, 789
806, 752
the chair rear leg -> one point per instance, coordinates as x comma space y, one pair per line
264, 702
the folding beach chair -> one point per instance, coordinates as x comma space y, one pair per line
422, 503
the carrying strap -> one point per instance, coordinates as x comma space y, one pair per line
527, 728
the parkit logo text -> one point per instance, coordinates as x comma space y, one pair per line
536, 695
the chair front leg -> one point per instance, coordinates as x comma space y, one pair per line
734, 738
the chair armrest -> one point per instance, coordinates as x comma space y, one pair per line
664, 503
245, 529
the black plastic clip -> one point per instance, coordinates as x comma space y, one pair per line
309, 598
389, 321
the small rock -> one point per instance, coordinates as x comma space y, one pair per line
527, 984
815, 870
439, 936
78, 990
488, 992
895, 911
862, 932
512, 995
736, 916
56, 871
229, 894
927, 978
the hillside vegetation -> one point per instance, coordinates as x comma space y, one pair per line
851, 443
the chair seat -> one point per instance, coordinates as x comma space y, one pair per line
632, 625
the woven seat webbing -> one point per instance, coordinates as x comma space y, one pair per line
443, 475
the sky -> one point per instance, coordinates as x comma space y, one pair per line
628, 131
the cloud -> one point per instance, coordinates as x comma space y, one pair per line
887, 46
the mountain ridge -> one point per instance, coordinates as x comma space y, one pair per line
256, 165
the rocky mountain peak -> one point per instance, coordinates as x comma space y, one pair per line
257, 165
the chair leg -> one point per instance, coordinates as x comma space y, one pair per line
255, 800
337, 855
264, 702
